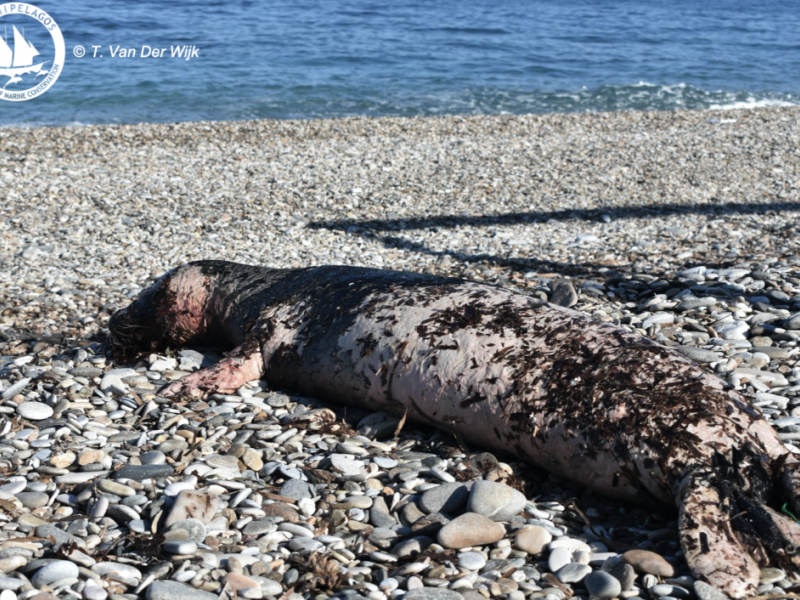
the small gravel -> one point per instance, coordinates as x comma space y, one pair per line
679, 226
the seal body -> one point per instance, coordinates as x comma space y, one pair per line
621, 414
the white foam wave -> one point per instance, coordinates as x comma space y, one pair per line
752, 103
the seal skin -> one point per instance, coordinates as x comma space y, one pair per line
626, 417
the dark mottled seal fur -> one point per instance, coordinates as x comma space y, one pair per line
626, 417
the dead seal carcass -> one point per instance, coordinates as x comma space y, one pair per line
627, 417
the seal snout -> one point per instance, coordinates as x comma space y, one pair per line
135, 328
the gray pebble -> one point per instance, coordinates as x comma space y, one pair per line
173, 590
180, 547
448, 498
16, 388
142, 472
698, 354
665, 589
563, 293
10, 583
195, 527
495, 500
33, 499
472, 561
573, 572
58, 569
34, 411
602, 585
558, 558
432, 593
126, 571
705, 591
297, 489
139, 526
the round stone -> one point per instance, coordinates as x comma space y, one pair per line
171, 446
223, 461
174, 590
573, 572
173, 489
470, 529
771, 575
118, 489
448, 498
14, 487
472, 561
432, 593
280, 509
558, 558
661, 590
34, 411
389, 584
532, 539
142, 472
645, 561
12, 563
126, 571
297, 489
625, 574
495, 500
195, 528
10, 583
278, 400
94, 592
180, 547
239, 582
138, 525
154, 457
58, 569
602, 586
33, 499
384, 462
62, 460
705, 591
269, 586
304, 545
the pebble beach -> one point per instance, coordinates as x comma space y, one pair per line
682, 226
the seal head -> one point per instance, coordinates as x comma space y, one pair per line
170, 313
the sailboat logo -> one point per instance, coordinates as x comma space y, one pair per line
18, 61
28, 73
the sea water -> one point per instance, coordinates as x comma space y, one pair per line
314, 59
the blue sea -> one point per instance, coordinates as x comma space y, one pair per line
304, 59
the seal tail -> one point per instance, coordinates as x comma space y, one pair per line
728, 530
710, 546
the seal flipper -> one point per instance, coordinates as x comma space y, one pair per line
224, 377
